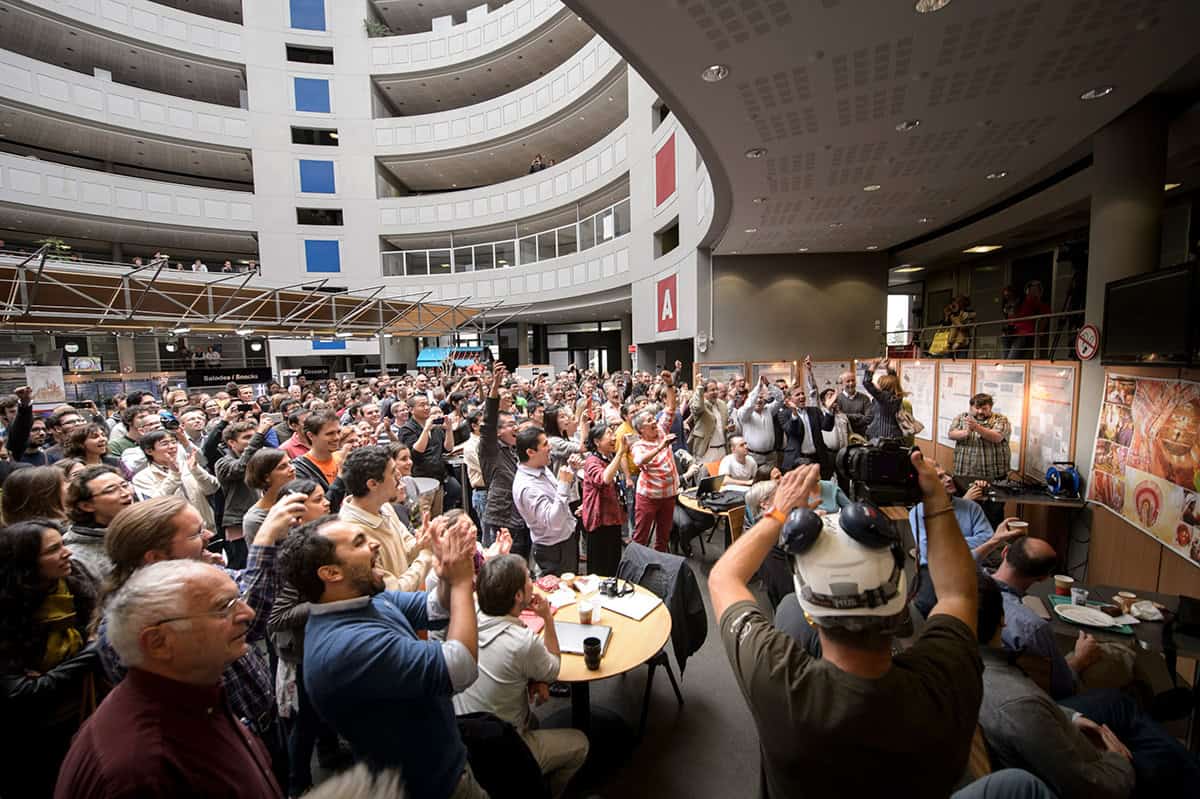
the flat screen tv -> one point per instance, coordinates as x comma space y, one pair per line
84, 364
1150, 319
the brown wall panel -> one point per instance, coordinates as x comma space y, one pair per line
1120, 554
1178, 576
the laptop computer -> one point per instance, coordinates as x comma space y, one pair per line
710, 485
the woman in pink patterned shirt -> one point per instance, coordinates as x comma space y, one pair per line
658, 483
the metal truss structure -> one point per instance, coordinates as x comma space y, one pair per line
39, 291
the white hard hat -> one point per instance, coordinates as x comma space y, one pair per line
837, 576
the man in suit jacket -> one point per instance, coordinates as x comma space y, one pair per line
710, 415
803, 424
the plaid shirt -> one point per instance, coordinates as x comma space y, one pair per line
979, 459
247, 680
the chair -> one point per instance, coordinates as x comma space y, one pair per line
658, 659
713, 467
735, 515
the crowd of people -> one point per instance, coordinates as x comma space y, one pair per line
201, 594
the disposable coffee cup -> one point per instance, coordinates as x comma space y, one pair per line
1062, 584
585, 612
1019, 527
1125, 600
591, 653
1079, 596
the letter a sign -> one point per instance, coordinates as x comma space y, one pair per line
667, 305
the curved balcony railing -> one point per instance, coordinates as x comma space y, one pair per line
557, 242
567, 182
574, 79
483, 33
59, 90
44, 184
153, 22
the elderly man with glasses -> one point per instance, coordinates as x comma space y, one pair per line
178, 625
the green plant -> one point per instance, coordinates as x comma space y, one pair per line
57, 245
375, 28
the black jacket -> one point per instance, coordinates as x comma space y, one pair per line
672, 579
818, 420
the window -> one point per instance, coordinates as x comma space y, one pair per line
322, 255
309, 55
666, 239
316, 177
312, 94
658, 114
308, 15
899, 310
318, 216
321, 137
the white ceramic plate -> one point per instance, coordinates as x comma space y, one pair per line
1080, 614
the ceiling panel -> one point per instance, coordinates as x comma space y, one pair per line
568, 133
503, 72
832, 94
58, 41
228, 10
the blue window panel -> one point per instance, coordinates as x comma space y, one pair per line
316, 177
308, 15
322, 256
339, 344
312, 94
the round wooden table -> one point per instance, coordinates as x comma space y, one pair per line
631, 644
427, 485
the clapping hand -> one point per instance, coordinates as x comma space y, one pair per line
501, 546
424, 534
798, 489
285, 514
454, 548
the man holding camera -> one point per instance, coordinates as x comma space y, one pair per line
859, 721
981, 441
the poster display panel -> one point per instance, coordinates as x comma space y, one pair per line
1006, 383
919, 381
954, 397
1050, 430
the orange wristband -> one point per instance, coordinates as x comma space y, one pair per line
778, 516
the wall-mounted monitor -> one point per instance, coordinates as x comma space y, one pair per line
1151, 318
84, 363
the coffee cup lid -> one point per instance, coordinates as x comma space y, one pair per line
1063, 578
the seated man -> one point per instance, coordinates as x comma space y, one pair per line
1028, 561
738, 467
383, 689
510, 658
971, 521
1097, 745
179, 625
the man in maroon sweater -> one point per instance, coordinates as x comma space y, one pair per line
166, 729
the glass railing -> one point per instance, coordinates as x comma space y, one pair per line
555, 243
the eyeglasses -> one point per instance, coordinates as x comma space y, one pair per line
223, 612
120, 487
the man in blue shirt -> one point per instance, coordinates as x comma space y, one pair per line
974, 526
368, 675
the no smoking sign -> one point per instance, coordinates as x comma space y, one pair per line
1087, 342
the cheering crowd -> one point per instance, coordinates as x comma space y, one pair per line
201, 592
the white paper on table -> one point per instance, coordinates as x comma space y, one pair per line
635, 606
588, 583
1126, 619
561, 598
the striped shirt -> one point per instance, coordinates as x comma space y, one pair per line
659, 478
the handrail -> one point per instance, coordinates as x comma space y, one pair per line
1046, 341
516, 251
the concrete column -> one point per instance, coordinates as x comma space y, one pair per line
626, 340
523, 343
118, 254
126, 358
399, 349
1124, 239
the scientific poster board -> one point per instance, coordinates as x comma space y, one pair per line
954, 396
1050, 429
826, 373
778, 370
721, 372
919, 381
1006, 383
1146, 465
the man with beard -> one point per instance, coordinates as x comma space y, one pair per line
981, 448
383, 689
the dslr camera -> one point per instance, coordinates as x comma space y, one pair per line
880, 473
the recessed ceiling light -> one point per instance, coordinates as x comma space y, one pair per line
923, 220
803, 249
714, 73
1096, 93
761, 200
751, 230
997, 175
756, 152
733, 252
872, 246
1171, 186
908, 268
835, 224
929, 6
872, 187
979, 249
907, 125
